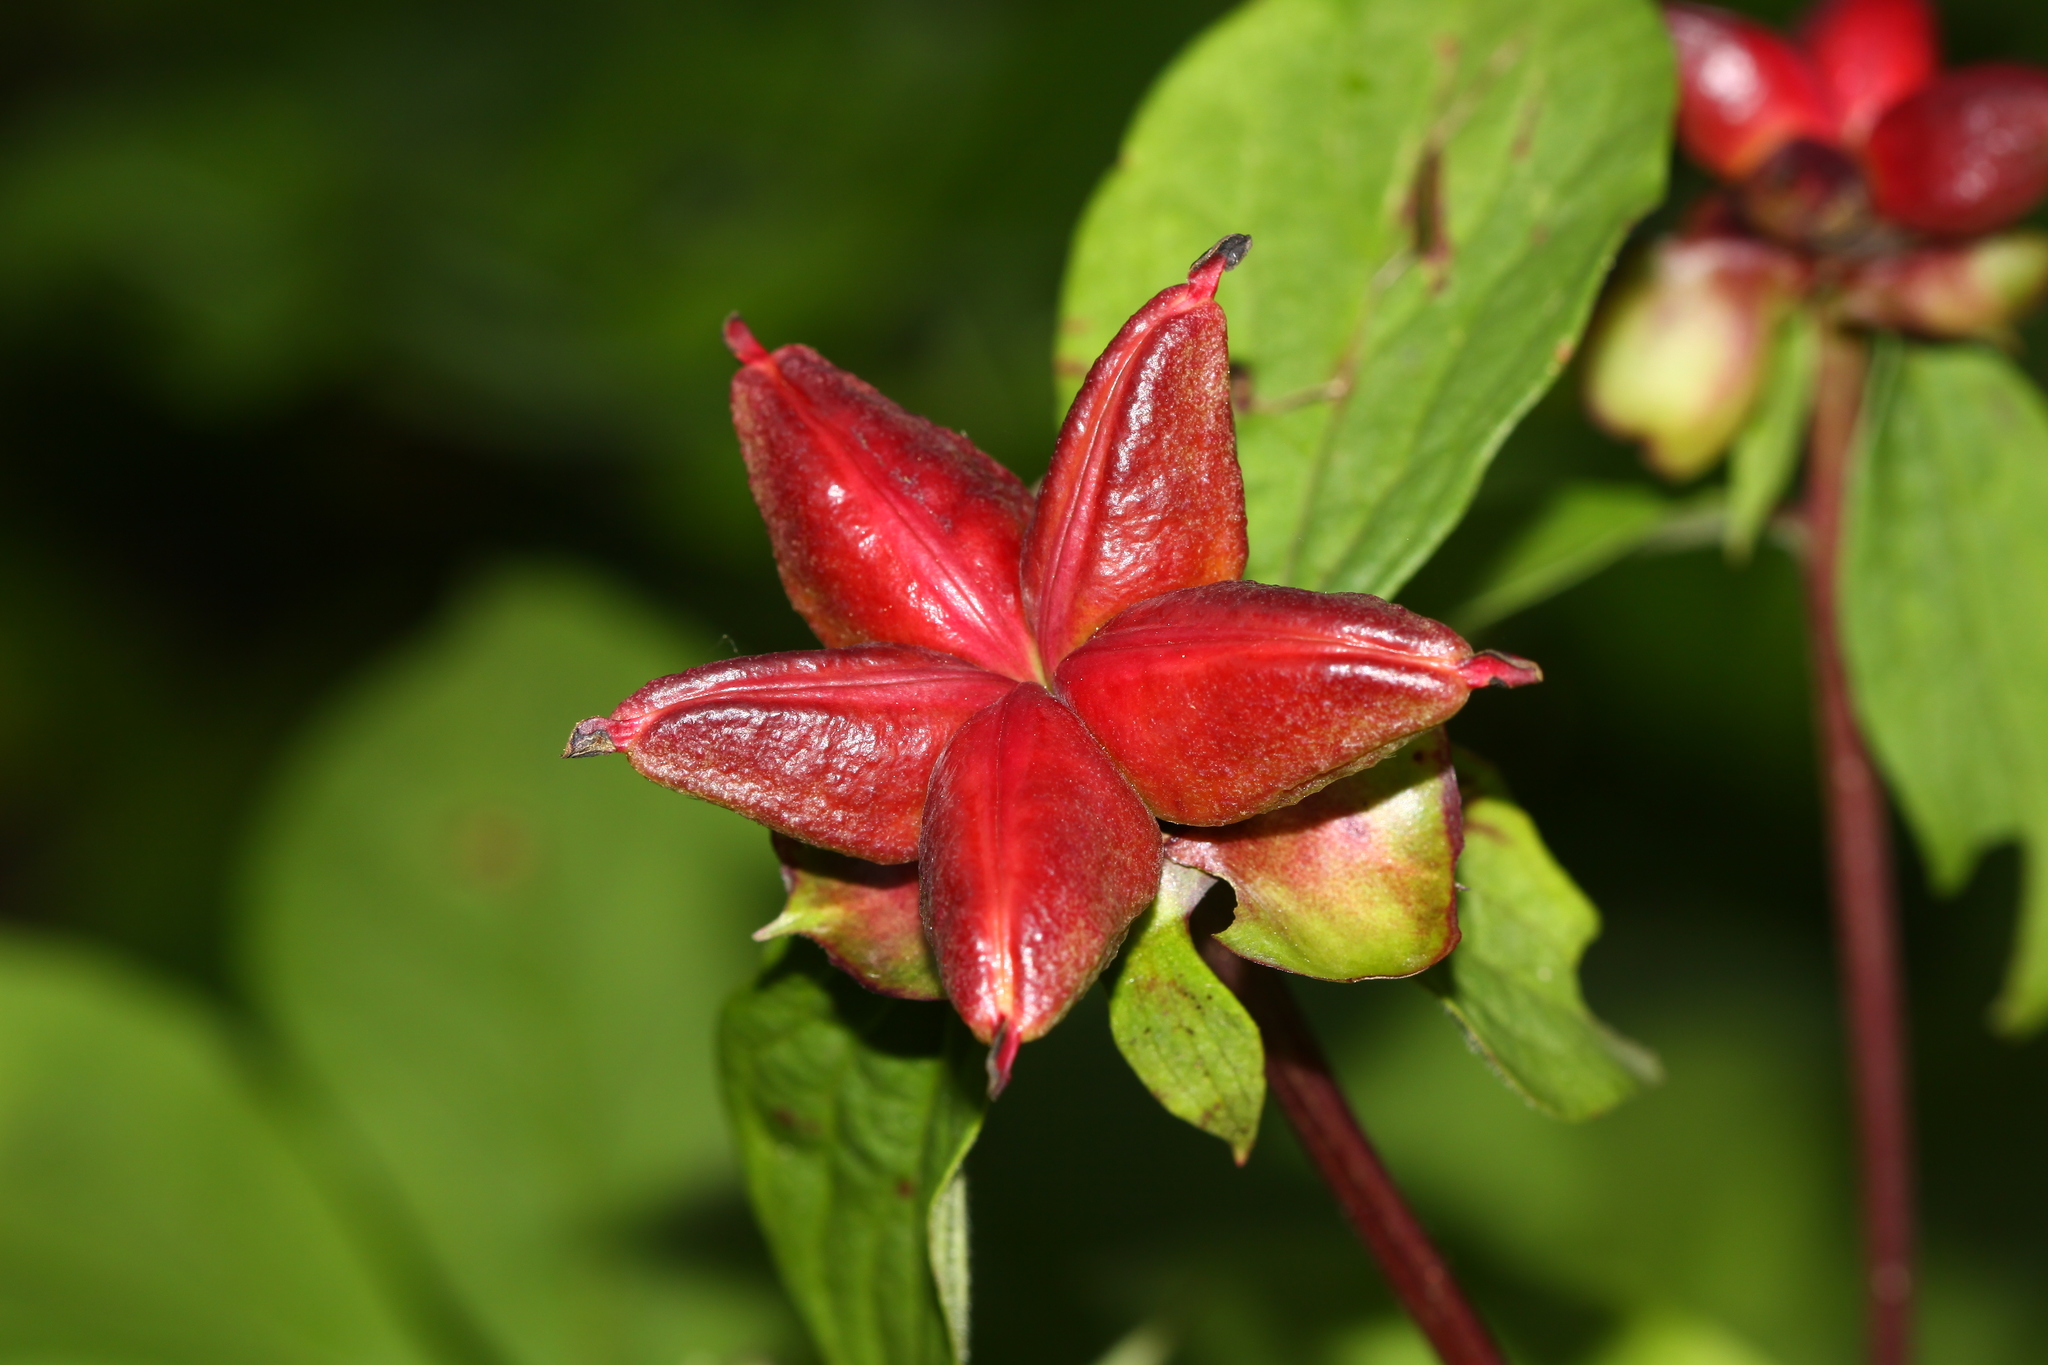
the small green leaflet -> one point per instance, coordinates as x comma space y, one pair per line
1435, 192
1944, 593
1585, 526
1766, 451
854, 1113
1190, 1041
1514, 978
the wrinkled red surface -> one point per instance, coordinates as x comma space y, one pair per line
885, 526
1037, 856
1143, 495
1745, 91
1224, 701
832, 746
1967, 154
925, 731
1870, 54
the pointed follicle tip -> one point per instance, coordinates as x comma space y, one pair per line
739, 339
1225, 255
1002, 1055
1491, 668
593, 736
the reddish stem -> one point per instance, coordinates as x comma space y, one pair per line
1860, 870
1300, 1078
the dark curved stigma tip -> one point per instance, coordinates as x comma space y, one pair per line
590, 737
1231, 250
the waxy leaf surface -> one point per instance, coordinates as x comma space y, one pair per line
864, 915
502, 971
1223, 702
854, 1113
885, 526
833, 746
1515, 976
1351, 883
1037, 856
1435, 192
1191, 1041
1944, 593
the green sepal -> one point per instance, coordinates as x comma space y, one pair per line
1766, 451
1513, 983
1186, 1035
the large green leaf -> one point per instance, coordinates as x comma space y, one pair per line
1191, 1041
149, 1210
1435, 192
1514, 979
854, 1113
1944, 595
503, 971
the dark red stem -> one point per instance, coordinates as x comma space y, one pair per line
1299, 1077
1860, 870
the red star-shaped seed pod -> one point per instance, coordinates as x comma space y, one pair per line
1015, 692
1857, 115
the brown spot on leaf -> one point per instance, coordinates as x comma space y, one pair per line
494, 849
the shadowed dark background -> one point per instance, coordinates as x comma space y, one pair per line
310, 314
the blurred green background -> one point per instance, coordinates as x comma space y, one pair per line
364, 426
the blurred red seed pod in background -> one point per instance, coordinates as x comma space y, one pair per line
1979, 289
1965, 155
1744, 90
1870, 54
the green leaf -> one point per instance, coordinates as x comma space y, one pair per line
504, 972
1944, 594
1514, 978
1766, 451
854, 1112
1585, 526
1435, 192
1669, 1338
149, 1208
1189, 1039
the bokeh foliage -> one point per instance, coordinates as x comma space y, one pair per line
312, 313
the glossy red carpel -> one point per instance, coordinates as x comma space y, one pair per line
1144, 494
1354, 882
1744, 90
1036, 857
1870, 54
864, 915
1226, 701
886, 527
832, 746
1968, 154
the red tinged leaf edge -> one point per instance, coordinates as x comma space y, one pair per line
1226, 701
1144, 494
1036, 857
886, 527
864, 915
1966, 155
1870, 54
833, 747
1745, 91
